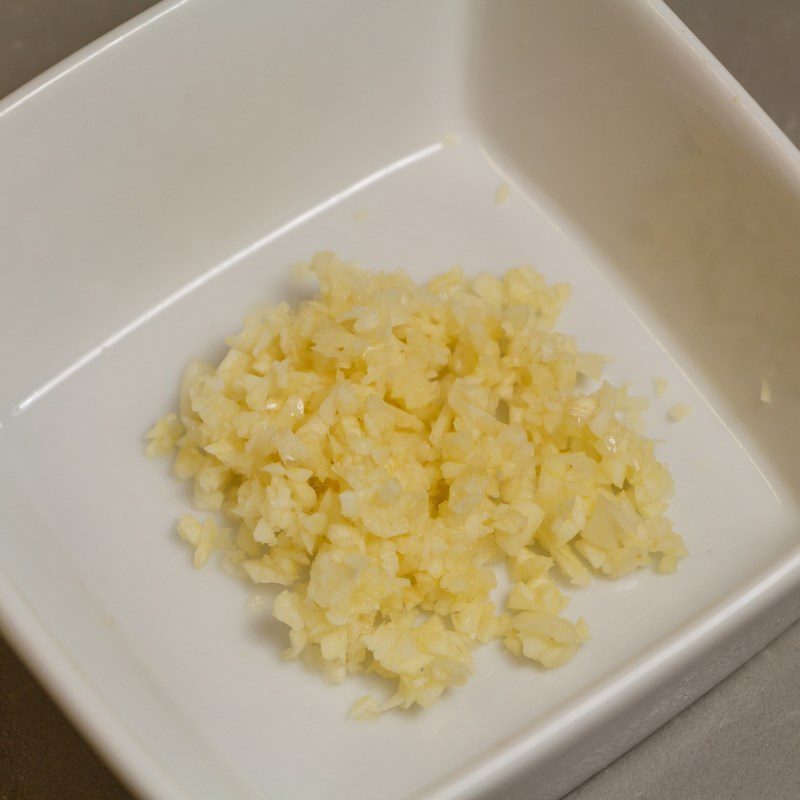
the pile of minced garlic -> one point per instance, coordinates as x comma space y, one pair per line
381, 449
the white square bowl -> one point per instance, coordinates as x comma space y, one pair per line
161, 181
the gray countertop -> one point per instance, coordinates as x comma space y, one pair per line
741, 740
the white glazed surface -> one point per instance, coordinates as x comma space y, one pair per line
164, 185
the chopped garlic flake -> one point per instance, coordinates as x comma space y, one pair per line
679, 411
364, 708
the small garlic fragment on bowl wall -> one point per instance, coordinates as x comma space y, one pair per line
501, 195
451, 140
678, 411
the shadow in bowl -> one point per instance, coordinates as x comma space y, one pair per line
682, 198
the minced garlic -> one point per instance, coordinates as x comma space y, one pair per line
381, 449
